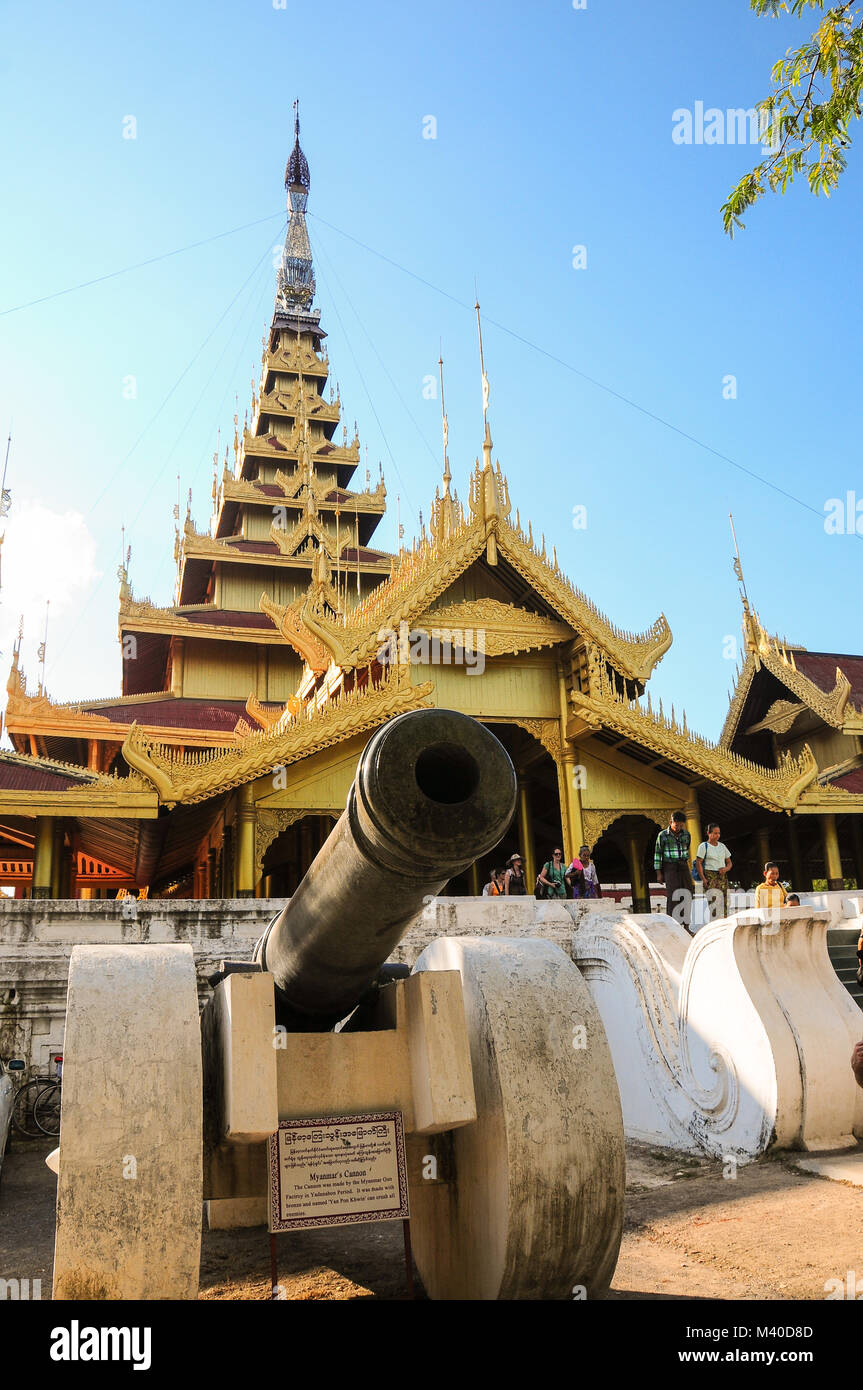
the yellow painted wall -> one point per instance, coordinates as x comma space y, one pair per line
613, 780
523, 685
258, 521
223, 669
230, 670
242, 586
319, 783
829, 747
477, 582
284, 669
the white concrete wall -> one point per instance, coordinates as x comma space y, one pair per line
37, 936
642, 971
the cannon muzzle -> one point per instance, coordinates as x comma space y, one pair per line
434, 790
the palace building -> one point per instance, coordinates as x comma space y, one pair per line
221, 767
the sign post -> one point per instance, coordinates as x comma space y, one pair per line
338, 1171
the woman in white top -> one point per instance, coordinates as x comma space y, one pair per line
713, 863
591, 887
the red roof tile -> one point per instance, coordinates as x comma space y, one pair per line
16, 775
367, 557
820, 668
254, 547
219, 716
850, 781
227, 617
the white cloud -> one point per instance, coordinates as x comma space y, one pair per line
48, 555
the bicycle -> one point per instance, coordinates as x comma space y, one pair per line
25, 1119
46, 1111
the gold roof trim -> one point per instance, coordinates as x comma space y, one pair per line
195, 777
291, 356
634, 654
422, 574
370, 500
497, 629
780, 717
264, 718
777, 789
295, 399
102, 786
291, 627
833, 707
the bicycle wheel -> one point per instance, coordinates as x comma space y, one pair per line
46, 1111
22, 1109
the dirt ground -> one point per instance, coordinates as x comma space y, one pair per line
770, 1232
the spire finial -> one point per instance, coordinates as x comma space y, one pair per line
750, 620
296, 282
42, 648
447, 475
738, 568
485, 388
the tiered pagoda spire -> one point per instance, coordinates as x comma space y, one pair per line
296, 283
287, 503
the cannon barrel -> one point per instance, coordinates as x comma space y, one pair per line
434, 790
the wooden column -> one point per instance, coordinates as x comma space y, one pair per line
43, 857
525, 832
832, 857
57, 862
572, 819
573, 827
246, 817
473, 880
212, 880
635, 858
697, 831
762, 839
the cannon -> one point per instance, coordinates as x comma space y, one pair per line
490, 1051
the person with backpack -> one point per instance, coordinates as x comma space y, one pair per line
713, 862
551, 880
513, 879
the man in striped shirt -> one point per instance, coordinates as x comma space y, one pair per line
672, 868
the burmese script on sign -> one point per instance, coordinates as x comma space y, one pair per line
337, 1171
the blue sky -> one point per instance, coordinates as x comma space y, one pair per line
554, 129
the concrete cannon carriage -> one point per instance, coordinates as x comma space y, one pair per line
492, 1051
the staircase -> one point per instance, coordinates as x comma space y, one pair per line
842, 949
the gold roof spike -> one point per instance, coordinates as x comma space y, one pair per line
287, 618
